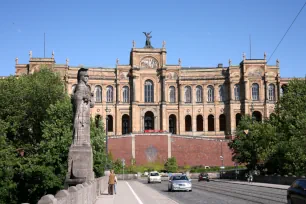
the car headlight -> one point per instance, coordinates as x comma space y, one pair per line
175, 185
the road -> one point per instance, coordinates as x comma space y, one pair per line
220, 193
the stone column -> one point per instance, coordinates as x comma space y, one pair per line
231, 91
155, 123
142, 123
216, 93
246, 90
133, 147
169, 145
134, 89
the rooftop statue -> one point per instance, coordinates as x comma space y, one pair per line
148, 39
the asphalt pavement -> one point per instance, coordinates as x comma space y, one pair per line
224, 192
134, 192
213, 192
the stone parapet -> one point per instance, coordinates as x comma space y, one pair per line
87, 192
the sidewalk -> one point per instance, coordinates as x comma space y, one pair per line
267, 185
134, 192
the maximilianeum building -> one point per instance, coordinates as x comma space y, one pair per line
149, 95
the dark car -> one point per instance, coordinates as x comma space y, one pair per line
203, 177
296, 193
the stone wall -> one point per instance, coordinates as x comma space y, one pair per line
284, 180
157, 147
80, 194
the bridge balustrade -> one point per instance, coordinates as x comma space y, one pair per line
86, 193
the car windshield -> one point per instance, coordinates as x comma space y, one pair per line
154, 174
302, 184
180, 178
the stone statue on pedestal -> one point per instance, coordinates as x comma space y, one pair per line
80, 158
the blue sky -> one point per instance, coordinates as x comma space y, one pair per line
200, 32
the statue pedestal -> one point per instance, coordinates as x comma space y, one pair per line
80, 165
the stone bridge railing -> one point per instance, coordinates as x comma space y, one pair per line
87, 192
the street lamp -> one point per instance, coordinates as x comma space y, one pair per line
106, 137
222, 159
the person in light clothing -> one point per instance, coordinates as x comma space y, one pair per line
116, 180
111, 182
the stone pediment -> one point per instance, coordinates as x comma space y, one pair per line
255, 72
123, 75
171, 76
148, 63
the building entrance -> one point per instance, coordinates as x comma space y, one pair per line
149, 121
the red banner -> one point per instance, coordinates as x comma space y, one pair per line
154, 131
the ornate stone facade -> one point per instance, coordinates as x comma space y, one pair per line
148, 93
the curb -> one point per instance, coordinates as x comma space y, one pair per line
248, 184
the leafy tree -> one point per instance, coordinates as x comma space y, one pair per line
278, 143
98, 137
253, 142
8, 163
171, 165
24, 102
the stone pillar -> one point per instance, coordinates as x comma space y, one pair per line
217, 122
169, 145
133, 147
246, 90
216, 93
155, 123
142, 123
164, 119
231, 91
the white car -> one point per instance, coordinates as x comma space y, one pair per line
154, 176
179, 183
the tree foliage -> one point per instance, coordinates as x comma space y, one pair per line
36, 119
278, 144
171, 165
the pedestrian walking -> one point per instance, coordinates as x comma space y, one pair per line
111, 182
115, 185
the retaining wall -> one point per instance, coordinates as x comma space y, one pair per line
87, 192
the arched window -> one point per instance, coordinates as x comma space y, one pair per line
172, 94
199, 94
200, 123
109, 123
73, 89
149, 91
125, 124
98, 93
125, 94
284, 88
221, 93
237, 92
256, 115
222, 122
172, 124
188, 123
149, 120
238, 118
109, 94
210, 94
211, 123
255, 92
187, 94
271, 92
